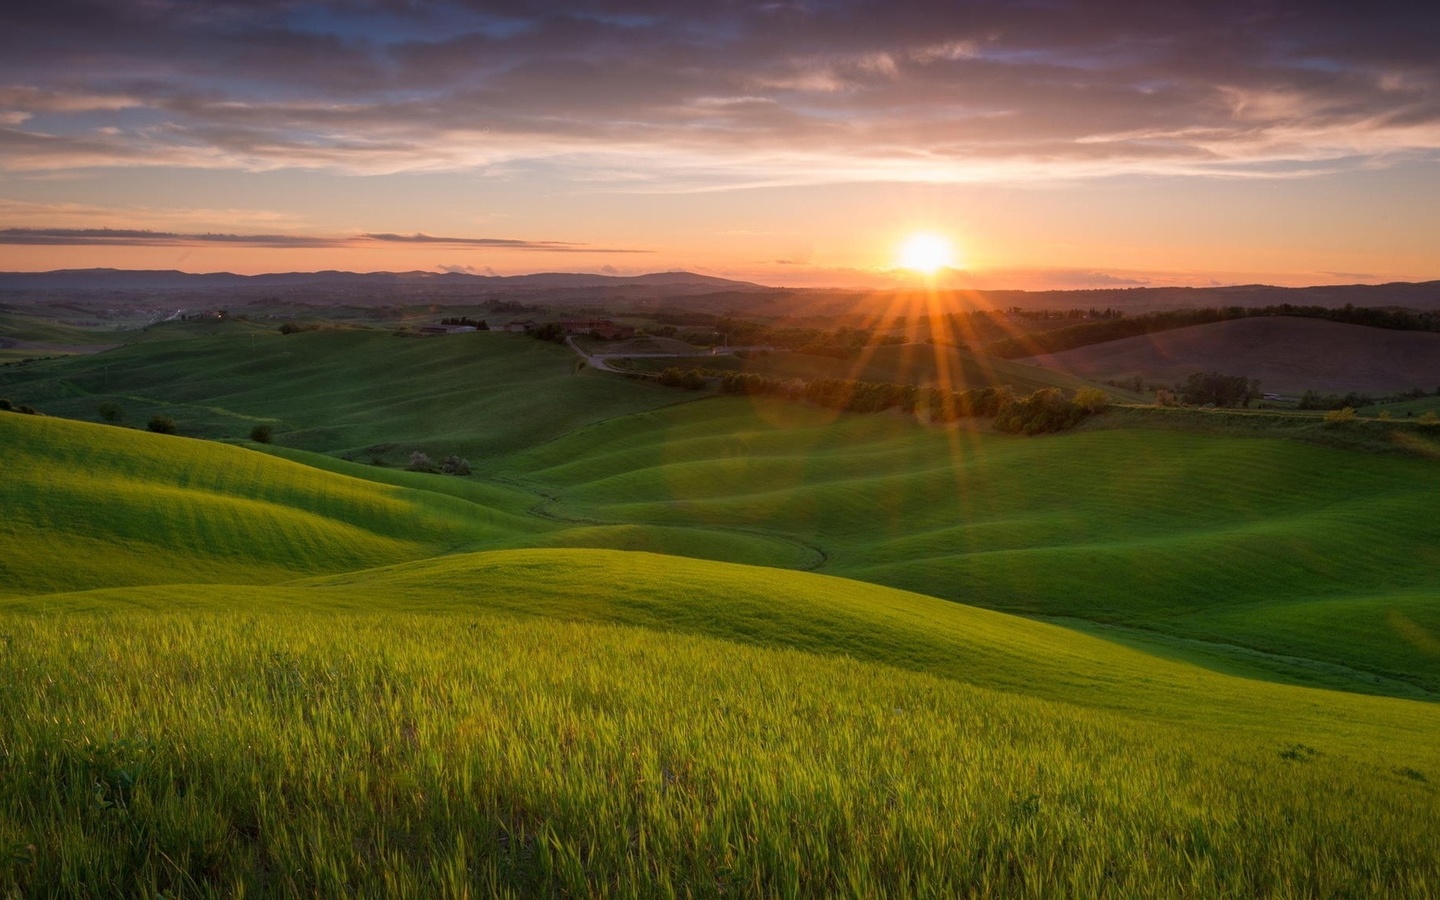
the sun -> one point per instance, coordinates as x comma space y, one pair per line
926, 252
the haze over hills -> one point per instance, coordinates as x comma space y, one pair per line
735, 297
151, 279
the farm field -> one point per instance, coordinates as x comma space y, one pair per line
1287, 355
952, 653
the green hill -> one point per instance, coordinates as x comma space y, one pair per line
1280, 547
285, 673
366, 393
693, 727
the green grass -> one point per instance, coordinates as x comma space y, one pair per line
285, 673
90, 506
1197, 536
693, 728
477, 395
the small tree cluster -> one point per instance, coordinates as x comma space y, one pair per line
162, 425
111, 413
691, 379
261, 434
1316, 400
1042, 412
27, 409
1212, 388
466, 321
420, 461
550, 331
454, 465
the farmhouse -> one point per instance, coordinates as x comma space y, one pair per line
526, 326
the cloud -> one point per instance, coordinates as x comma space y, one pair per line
682, 97
503, 243
123, 237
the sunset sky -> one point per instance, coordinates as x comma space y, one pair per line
1054, 144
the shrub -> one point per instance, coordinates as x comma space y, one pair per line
6, 405
162, 425
1336, 416
454, 465
111, 412
27, 409
1429, 418
420, 461
1092, 400
261, 434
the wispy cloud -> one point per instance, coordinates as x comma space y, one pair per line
503, 243
122, 237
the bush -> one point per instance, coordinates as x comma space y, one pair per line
162, 425
111, 413
261, 434
420, 461
454, 465
1336, 416
1092, 400
6, 405
27, 409
1429, 418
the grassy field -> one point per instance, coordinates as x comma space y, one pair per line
1192, 535
272, 670
366, 393
595, 722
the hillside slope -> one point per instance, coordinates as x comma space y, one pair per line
401, 731
1288, 355
1277, 546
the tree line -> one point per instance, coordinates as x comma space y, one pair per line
1046, 410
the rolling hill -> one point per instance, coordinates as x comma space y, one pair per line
437, 722
1288, 355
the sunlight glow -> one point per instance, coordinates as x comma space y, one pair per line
926, 252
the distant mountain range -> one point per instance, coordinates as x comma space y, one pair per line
170, 279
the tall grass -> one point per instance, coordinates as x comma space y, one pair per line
296, 754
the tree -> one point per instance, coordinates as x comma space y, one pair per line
162, 425
261, 434
1205, 388
454, 465
111, 412
420, 461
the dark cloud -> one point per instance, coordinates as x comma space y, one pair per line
723, 93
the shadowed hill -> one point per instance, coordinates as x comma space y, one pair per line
1287, 355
